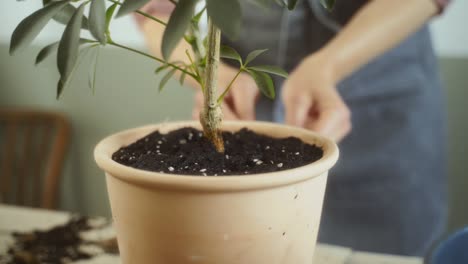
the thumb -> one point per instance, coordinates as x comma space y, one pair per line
297, 108
334, 118
244, 103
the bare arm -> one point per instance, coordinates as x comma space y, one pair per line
310, 96
376, 28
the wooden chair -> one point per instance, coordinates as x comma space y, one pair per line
33, 145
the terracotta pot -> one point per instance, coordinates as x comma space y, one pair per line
269, 218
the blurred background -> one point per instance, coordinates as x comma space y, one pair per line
127, 96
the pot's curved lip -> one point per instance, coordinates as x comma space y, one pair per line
106, 147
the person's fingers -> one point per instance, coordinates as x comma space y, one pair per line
333, 119
244, 100
228, 113
296, 105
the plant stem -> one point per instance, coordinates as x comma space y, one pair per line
221, 97
211, 115
142, 13
154, 58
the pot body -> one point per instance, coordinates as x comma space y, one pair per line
270, 218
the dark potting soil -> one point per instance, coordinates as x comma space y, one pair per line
60, 244
57, 245
186, 151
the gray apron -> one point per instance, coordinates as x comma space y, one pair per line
388, 191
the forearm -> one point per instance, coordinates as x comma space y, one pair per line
376, 28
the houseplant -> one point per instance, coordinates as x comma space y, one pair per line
160, 218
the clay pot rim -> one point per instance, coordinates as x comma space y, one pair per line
106, 147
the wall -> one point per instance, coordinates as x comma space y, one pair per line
454, 73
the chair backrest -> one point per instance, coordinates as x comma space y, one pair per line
33, 145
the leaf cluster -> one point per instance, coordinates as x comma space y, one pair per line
183, 24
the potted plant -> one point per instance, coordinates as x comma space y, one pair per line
264, 206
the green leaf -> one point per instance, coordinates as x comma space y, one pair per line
292, 4
131, 5
161, 68
97, 20
109, 13
196, 17
45, 52
265, 4
264, 83
230, 53
226, 14
66, 13
270, 69
166, 78
281, 3
252, 55
83, 52
28, 29
328, 4
177, 26
49, 49
93, 71
68, 49
63, 17
182, 77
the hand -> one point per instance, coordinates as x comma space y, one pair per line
239, 103
312, 101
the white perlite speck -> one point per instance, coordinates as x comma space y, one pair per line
297, 153
227, 156
280, 165
283, 150
224, 171
159, 142
267, 147
170, 169
259, 162
202, 170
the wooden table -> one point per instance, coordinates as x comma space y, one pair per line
14, 218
